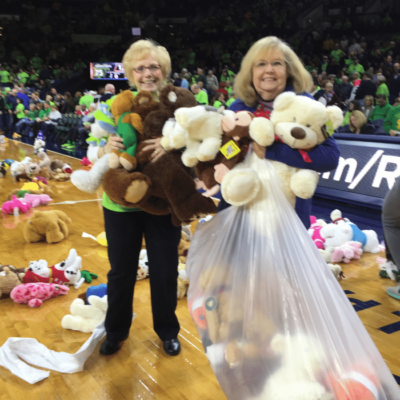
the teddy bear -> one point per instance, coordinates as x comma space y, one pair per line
134, 110
10, 277
183, 281
301, 123
31, 169
343, 253
302, 358
35, 293
166, 185
50, 226
39, 143
86, 317
342, 232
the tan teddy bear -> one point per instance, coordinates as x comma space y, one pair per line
50, 226
9, 278
301, 123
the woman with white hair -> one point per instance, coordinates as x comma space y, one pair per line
382, 87
270, 68
146, 65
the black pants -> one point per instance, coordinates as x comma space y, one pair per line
124, 232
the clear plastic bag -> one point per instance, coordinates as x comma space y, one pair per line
274, 322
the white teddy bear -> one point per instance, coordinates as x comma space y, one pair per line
300, 122
84, 317
302, 360
342, 232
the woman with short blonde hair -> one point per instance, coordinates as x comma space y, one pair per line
141, 50
297, 75
268, 69
368, 105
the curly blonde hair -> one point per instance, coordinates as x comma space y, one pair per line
142, 49
361, 120
298, 76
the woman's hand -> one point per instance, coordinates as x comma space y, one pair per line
114, 142
154, 144
392, 132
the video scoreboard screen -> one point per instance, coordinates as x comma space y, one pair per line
107, 71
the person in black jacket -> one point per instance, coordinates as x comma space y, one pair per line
367, 87
3, 114
358, 124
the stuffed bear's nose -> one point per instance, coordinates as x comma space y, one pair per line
298, 133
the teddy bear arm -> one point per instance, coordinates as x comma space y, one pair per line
304, 183
189, 156
262, 131
135, 120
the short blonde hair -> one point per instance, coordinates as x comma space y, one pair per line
142, 49
361, 120
298, 76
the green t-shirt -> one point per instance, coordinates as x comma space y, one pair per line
45, 112
383, 89
226, 58
56, 73
36, 62
20, 108
217, 104
380, 112
191, 57
23, 77
110, 205
358, 68
230, 101
33, 114
4, 76
392, 120
202, 97
336, 54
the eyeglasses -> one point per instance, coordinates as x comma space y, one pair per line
151, 68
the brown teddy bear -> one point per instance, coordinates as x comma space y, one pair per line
50, 226
166, 185
9, 278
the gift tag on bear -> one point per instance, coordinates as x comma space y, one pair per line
230, 149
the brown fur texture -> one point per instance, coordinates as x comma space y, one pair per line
50, 226
9, 281
171, 185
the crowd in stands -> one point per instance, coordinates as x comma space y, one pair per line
360, 74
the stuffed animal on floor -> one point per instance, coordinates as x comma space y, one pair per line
35, 293
183, 248
302, 358
183, 281
143, 267
18, 167
344, 253
15, 204
34, 187
3, 170
85, 317
66, 272
166, 185
10, 277
31, 170
36, 200
301, 123
39, 144
342, 232
315, 232
50, 226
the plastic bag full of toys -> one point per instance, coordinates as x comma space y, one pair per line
274, 322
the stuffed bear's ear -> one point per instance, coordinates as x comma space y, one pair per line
335, 116
284, 101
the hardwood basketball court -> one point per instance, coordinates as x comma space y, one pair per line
140, 370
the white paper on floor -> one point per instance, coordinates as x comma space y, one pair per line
35, 353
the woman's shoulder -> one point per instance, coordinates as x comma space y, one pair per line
240, 105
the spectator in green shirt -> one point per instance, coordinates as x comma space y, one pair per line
336, 53
382, 87
228, 88
28, 120
356, 67
87, 99
4, 77
36, 61
19, 110
199, 94
392, 122
225, 76
22, 76
381, 110
231, 100
219, 100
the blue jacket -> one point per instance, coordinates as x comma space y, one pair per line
325, 157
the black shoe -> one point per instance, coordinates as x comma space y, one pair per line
107, 348
172, 347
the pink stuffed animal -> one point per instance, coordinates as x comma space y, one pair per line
36, 200
35, 293
357, 247
315, 232
8, 206
346, 252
